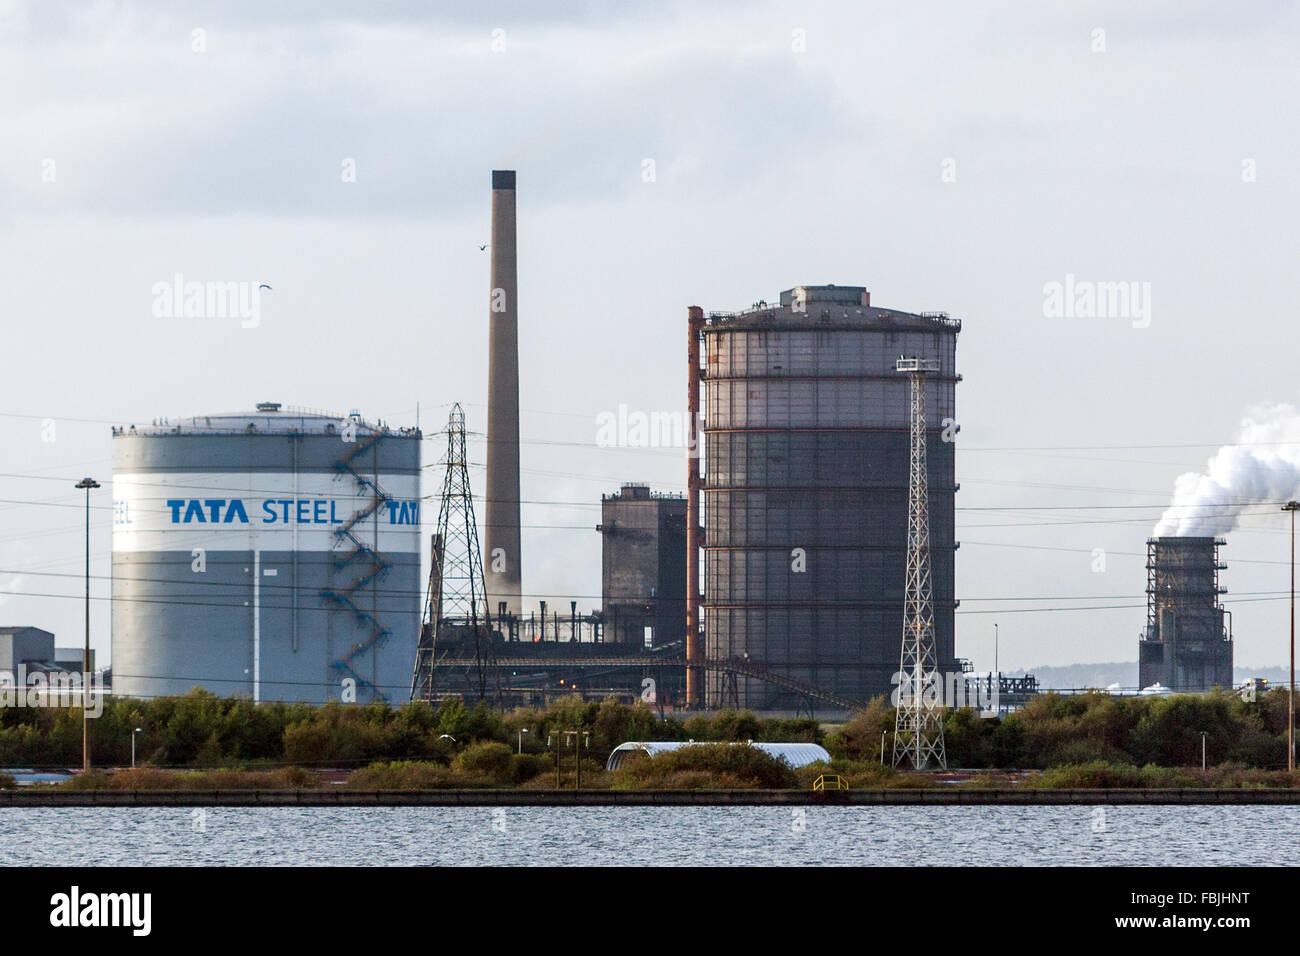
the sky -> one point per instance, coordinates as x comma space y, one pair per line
948, 156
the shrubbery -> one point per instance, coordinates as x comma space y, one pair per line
1098, 774
705, 767
200, 729
1083, 729
145, 778
1097, 731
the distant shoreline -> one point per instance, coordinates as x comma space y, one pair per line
670, 798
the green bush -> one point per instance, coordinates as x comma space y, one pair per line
411, 775
859, 739
524, 767
149, 778
726, 767
1096, 774
488, 760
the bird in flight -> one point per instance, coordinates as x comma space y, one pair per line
481, 248
265, 286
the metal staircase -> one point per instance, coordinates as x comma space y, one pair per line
372, 565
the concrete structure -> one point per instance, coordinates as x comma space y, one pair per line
806, 459
643, 566
501, 547
25, 645
31, 650
71, 658
1184, 645
273, 554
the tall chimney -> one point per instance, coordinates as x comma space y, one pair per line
501, 551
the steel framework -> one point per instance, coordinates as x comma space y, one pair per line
918, 722
457, 597
729, 668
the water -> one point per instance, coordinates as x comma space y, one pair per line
639, 836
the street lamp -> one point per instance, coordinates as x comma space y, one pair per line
522, 731
1293, 507
133, 733
996, 673
1204, 734
87, 484
882, 746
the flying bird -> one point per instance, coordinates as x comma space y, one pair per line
265, 286
481, 248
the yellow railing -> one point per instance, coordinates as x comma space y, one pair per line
830, 781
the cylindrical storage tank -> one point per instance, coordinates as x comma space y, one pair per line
273, 554
807, 435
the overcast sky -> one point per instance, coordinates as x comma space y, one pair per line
953, 157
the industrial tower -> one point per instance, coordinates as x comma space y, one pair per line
805, 433
501, 505
918, 722
457, 600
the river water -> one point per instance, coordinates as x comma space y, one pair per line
641, 836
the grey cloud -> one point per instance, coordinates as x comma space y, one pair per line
278, 150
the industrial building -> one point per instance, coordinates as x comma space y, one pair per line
28, 651
643, 567
273, 554
1184, 646
804, 491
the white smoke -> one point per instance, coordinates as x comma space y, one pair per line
1262, 467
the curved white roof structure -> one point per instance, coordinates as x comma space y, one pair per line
796, 755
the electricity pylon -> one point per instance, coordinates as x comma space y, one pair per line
457, 598
427, 649
918, 722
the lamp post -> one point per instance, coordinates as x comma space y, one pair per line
1204, 734
579, 738
522, 731
87, 484
1293, 507
882, 746
997, 674
133, 733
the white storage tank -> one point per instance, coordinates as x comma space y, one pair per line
273, 554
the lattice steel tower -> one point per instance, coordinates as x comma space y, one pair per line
918, 724
457, 598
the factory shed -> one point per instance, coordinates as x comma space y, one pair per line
796, 755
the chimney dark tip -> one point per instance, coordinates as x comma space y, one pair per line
503, 179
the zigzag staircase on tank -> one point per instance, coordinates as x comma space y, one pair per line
373, 565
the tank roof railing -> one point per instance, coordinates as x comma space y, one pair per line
937, 319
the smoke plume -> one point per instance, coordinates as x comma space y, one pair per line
1263, 466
